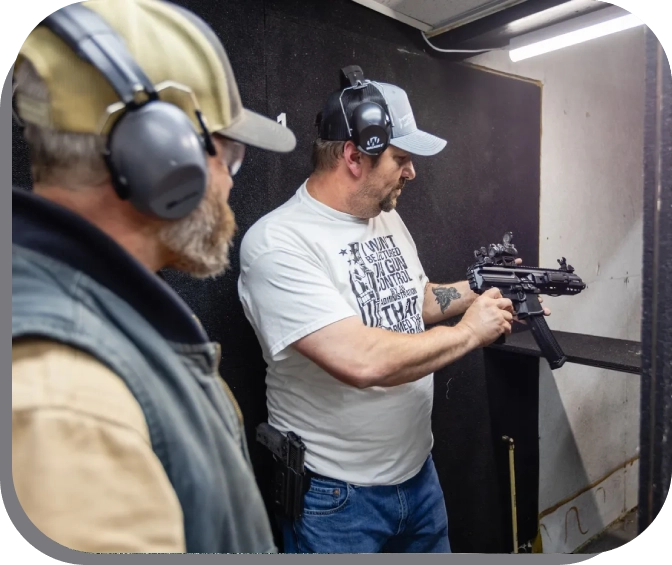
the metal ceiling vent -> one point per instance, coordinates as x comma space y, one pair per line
437, 16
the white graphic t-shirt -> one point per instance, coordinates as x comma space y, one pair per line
305, 266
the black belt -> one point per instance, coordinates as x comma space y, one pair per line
313, 475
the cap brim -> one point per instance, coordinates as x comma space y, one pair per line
419, 143
259, 131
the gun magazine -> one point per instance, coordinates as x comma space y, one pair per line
550, 348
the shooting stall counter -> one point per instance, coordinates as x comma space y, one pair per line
606, 353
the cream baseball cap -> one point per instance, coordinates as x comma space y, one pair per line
175, 49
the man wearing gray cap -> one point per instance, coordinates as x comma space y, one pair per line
332, 284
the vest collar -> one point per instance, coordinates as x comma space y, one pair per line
56, 232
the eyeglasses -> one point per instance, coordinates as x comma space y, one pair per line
230, 152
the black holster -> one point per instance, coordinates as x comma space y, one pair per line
290, 479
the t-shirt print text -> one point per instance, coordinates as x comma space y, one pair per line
383, 287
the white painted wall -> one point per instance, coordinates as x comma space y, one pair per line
591, 212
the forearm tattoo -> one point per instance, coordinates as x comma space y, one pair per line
445, 295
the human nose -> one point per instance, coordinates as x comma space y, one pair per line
409, 171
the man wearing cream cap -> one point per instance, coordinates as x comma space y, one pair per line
124, 436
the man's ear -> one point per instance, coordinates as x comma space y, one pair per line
354, 158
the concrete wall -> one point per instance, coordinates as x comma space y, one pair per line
591, 213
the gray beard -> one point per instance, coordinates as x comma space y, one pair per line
200, 242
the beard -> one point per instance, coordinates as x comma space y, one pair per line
389, 203
199, 243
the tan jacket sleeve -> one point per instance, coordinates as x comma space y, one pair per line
83, 466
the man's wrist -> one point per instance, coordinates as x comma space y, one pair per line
470, 297
467, 336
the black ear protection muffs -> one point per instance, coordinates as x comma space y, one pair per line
156, 157
370, 126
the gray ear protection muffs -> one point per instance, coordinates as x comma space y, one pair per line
156, 157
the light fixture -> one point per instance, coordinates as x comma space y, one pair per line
577, 30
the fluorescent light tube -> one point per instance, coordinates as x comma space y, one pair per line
578, 30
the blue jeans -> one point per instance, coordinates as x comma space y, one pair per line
342, 518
